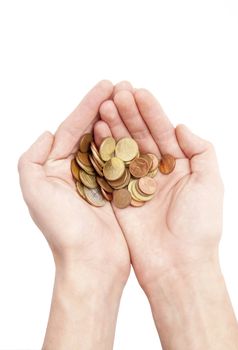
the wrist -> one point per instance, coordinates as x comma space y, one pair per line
189, 274
84, 308
194, 299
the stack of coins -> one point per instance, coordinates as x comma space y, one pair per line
117, 172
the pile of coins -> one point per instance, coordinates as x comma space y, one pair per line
117, 172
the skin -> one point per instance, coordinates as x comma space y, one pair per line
173, 239
86, 250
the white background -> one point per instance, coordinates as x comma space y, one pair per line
51, 53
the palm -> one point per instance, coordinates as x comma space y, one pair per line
63, 206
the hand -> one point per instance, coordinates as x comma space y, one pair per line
91, 255
181, 226
173, 239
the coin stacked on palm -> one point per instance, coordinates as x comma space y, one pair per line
117, 172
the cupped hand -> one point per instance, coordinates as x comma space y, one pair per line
77, 232
181, 226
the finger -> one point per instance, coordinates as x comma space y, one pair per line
200, 152
123, 85
30, 163
125, 103
110, 115
73, 127
101, 130
158, 123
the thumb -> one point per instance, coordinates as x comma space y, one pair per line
30, 163
200, 152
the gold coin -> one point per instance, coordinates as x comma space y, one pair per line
122, 182
103, 184
83, 158
94, 197
137, 196
153, 173
96, 155
129, 187
126, 149
80, 189
75, 169
88, 180
107, 148
88, 169
113, 169
85, 142
96, 166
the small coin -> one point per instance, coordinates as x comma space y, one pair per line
107, 148
167, 164
147, 185
108, 196
83, 158
113, 169
75, 169
153, 173
96, 166
80, 189
136, 204
121, 198
103, 184
137, 195
84, 143
123, 183
94, 197
129, 187
119, 181
89, 169
139, 167
96, 156
126, 149
148, 159
155, 161
88, 180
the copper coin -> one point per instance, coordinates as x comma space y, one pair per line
139, 167
155, 161
147, 185
106, 195
103, 184
167, 164
84, 143
121, 198
148, 159
136, 204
